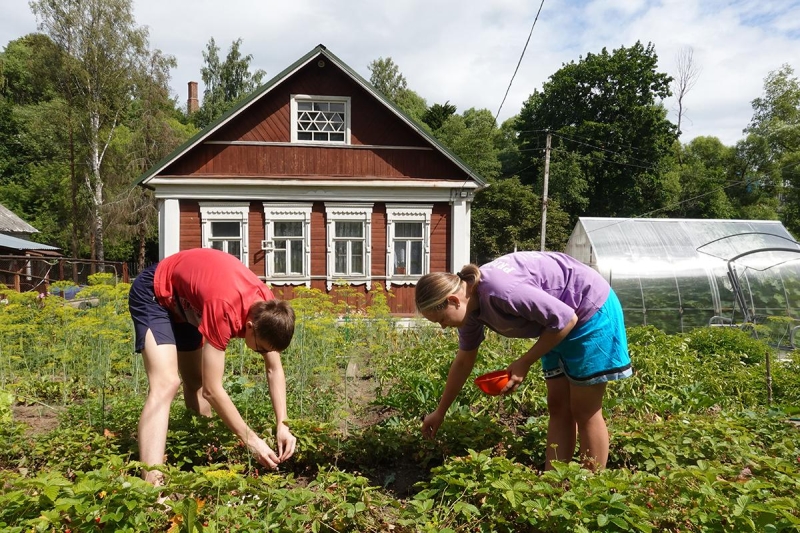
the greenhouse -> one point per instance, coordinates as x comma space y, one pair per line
678, 274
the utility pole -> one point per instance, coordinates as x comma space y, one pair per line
544, 191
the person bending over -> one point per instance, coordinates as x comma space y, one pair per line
185, 310
577, 321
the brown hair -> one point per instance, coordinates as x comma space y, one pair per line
434, 288
273, 321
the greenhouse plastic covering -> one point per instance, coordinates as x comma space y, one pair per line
674, 273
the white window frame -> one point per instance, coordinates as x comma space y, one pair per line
295, 98
289, 212
348, 212
226, 212
420, 213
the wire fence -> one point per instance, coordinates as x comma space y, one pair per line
31, 273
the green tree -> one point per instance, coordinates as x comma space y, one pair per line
704, 178
472, 137
34, 163
152, 129
226, 82
607, 108
104, 51
437, 114
386, 77
507, 217
771, 150
26, 70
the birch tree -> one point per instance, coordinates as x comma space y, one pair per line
104, 50
685, 79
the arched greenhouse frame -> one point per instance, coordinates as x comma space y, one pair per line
679, 274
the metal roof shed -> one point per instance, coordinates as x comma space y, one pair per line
662, 279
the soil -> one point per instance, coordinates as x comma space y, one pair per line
41, 419
398, 478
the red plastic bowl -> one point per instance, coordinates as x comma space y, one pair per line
493, 382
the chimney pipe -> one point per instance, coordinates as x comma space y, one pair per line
193, 104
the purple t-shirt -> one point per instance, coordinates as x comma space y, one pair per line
523, 293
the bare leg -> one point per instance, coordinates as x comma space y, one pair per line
190, 367
587, 409
561, 429
161, 365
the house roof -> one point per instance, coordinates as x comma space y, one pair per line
11, 223
7, 241
319, 50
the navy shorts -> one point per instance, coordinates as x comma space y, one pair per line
148, 314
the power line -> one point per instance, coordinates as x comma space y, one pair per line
519, 62
746, 181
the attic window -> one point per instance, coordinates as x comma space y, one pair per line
320, 119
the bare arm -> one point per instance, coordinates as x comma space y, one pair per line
277, 393
213, 366
546, 342
460, 369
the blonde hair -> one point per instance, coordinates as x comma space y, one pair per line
434, 288
273, 321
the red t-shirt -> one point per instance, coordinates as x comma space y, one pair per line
211, 290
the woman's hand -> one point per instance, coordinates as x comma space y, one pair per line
517, 371
286, 442
263, 453
431, 423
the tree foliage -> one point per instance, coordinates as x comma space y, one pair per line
34, 156
704, 177
437, 114
88, 108
771, 151
507, 217
386, 77
607, 109
226, 82
102, 47
472, 137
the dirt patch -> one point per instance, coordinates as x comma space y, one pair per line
398, 478
39, 418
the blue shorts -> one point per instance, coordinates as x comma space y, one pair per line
148, 314
594, 352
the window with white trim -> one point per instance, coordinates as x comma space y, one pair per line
287, 228
349, 245
408, 236
224, 227
320, 119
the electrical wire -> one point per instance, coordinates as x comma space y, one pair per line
519, 62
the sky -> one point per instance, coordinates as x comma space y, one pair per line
465, 52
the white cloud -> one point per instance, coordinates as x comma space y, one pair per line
465, 51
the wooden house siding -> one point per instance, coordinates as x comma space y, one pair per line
371, 123
440, 239
380, 145
255, 223
191, 232
218, 161
401, 300
319, 244
378, 242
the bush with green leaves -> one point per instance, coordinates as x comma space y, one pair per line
695, 444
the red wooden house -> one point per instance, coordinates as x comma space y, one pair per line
315, 180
